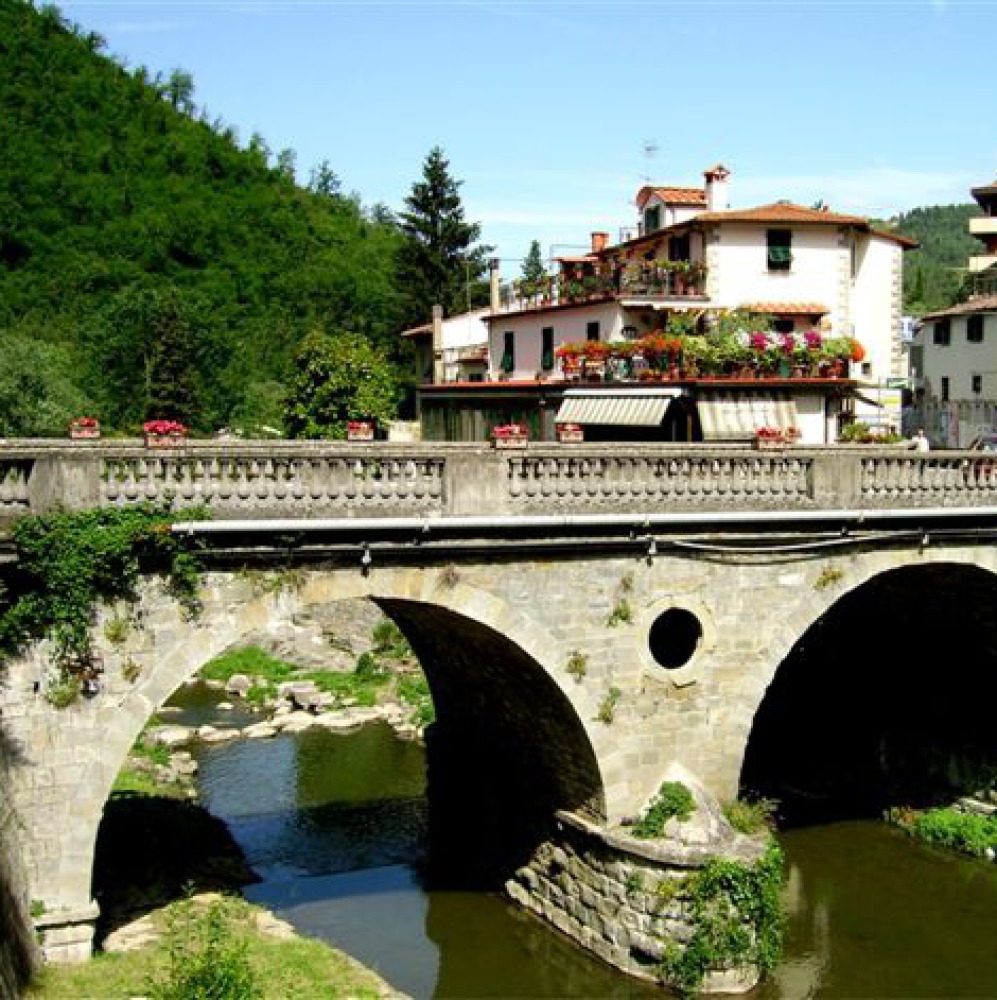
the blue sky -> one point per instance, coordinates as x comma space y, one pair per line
545, 108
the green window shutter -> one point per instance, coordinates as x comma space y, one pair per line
780, 252
509, 352
547, 348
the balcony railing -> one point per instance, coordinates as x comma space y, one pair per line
651, 280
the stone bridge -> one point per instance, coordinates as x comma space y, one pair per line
590, 621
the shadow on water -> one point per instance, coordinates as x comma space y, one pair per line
151, 851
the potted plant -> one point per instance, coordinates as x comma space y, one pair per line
510, 436
570, 433
164, 433
360, 430
83, 428
768, 438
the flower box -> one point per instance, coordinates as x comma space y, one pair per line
774, 438
164, 440
84, 428
570, 433
359, 430
510, 436
164, 433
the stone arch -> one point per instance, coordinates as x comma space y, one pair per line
87, 744
861, 711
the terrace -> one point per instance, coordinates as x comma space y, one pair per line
655, 281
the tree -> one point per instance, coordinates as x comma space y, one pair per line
38, 396
438, 262
336, 379
534, 272
172, 392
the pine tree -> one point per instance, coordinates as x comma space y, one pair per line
439, 263
534, 272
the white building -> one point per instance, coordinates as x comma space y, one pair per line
806, 267
451, 349
954, 357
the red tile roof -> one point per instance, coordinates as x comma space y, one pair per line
672, 195
979, 303
783, 211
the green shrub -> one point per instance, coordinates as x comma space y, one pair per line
414, 691
607, 709
621, 614
750, 817
208, 958
945, 827
577, 665
367, 666
388, 638
736, 917
250, 660
70, 562
673, 800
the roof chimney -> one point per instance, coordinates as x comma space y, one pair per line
494, 287
717, 195
599, 242
438, 372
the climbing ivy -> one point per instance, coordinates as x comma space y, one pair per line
737, 920
70, 562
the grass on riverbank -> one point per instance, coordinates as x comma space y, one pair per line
967, 833
375, 680
207, 945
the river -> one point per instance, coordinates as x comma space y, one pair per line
335, 827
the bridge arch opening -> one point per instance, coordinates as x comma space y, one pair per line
886, 700
507, 749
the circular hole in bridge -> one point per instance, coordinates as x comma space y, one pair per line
674, 637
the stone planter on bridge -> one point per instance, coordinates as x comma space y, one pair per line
510, 436
164, 433
84, 429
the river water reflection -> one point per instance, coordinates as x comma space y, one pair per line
335, 826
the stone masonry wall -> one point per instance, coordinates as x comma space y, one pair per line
752, 609
619, 897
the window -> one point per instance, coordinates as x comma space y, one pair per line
592, 330
678, 247
652, 218
974, 329
784, 325
509, 352
780, 249
977, 383
547, 348
943, 333
945, 388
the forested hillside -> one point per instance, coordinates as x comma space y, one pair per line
124, 217
935, 274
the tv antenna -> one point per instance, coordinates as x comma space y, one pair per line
650, 152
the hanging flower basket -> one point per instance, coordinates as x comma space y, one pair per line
510, 436
570, 433
84, 428
164, 433
360, 430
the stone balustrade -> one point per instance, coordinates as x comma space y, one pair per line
338, 479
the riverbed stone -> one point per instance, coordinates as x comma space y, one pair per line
169, 736
238, 685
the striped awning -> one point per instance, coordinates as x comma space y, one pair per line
641, 408
732, 416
